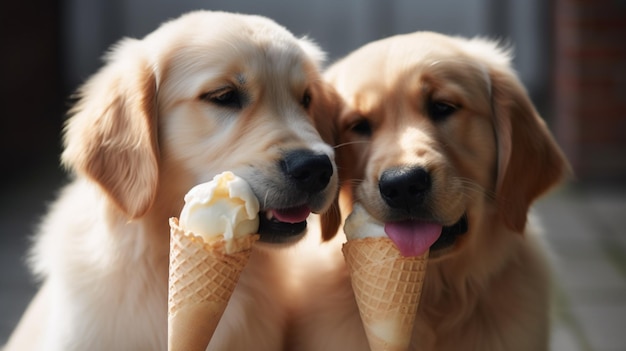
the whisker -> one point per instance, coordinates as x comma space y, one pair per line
355, 181
267, 193
471, 187
351, 143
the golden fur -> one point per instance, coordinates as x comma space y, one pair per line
490, 156
152, 123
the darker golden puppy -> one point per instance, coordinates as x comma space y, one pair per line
439, 130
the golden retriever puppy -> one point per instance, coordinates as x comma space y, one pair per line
202, 94
438, 130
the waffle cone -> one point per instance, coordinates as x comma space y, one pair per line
202, 278
387, 287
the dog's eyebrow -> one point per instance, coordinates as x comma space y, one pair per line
482, 71
241, 79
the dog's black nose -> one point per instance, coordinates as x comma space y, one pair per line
310, 172
404, 187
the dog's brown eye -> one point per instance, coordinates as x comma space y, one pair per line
362, 127
226, 97
438, 110
306, 100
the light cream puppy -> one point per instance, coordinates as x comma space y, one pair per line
205, 93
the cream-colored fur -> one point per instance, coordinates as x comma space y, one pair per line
157, 119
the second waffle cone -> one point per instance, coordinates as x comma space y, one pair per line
387, 287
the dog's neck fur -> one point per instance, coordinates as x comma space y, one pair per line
460, 290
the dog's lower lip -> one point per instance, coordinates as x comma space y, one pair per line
450, 233
272, 230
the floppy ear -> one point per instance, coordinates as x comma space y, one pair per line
529, 160
111, 134
325, 109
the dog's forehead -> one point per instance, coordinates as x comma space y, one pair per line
246, 53
393, 57
409, 63
211, 25
212, 39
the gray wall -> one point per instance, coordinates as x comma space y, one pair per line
339, 26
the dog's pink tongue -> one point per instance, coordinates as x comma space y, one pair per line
293, 214
413, 238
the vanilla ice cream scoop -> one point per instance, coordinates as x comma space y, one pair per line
225, 206
360, 224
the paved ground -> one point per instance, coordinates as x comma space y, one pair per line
585, 229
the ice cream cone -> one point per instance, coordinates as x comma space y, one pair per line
201, 280
387, 287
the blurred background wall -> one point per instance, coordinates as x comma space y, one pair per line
589, 86
570, 54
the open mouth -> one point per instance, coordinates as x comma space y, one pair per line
415, 237
281, 225
450, 234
